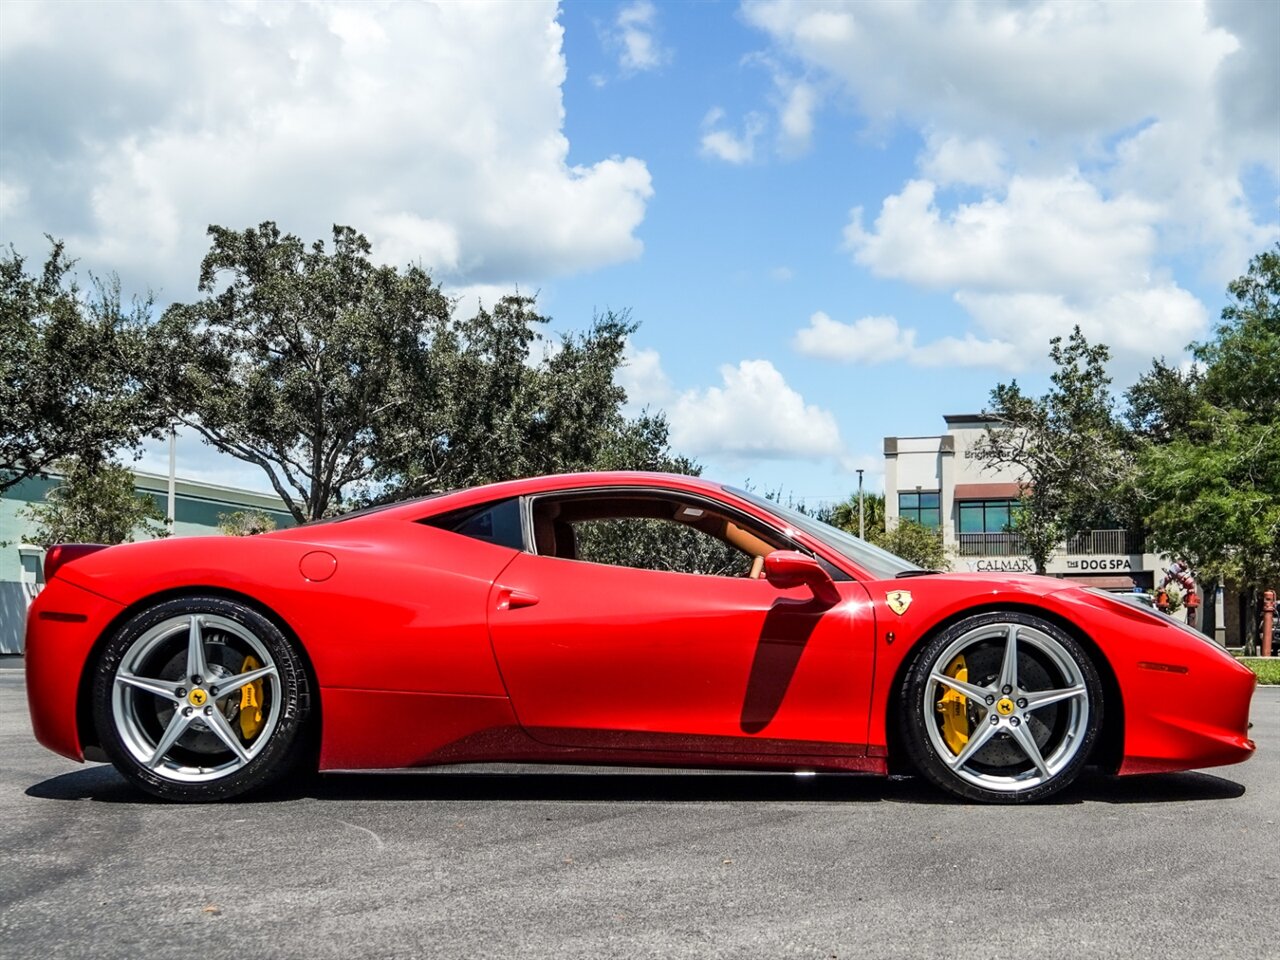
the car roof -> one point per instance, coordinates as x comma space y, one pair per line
457, 499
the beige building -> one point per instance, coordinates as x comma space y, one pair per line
940, 482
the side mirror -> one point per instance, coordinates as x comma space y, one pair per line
790, 568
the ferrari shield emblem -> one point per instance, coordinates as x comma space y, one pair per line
898, 601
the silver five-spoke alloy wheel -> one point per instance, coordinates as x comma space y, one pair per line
204, 698
1006, 708
180, 691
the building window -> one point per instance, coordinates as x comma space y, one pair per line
986, 516
921, 508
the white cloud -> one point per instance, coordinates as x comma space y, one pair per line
1247, 79
1015, 329
642, 377
868, 340
1137, 325
469, 298
876, 340
635, 38
1051, 254
435, 128
952, 160
1204, 208
1048, 69
11, 198
782, 274
795, 117
726, 145
1108, 140
753, 414
1056, 233
1169, 102
405, 238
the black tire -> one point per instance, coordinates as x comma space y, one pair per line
142, 694
996, 765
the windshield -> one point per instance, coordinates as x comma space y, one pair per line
879, 563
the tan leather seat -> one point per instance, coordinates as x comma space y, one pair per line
544, 534
553, 537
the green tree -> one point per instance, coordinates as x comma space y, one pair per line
908, 539
641, 443
301, 360
845, 515
1067, 445
1242, 362
1164, 403
517, 405
349, 382
1210, 473
72, 368
915, 542
658, 545
94, 503
245, 523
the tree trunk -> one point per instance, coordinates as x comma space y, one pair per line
1209, 610
1248, 627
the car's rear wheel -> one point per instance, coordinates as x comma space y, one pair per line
201, 698
1001, 707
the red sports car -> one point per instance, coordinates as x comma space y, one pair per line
614, 618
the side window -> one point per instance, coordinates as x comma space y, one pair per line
650, 532
658, 545
496, 523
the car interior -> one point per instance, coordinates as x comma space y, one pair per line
558, 520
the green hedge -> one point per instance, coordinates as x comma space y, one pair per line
1267, 668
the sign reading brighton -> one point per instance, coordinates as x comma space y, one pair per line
1003, 565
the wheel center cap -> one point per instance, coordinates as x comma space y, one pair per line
197, 697
1004, 706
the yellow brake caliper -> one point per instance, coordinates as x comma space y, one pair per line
954, 707
250, 701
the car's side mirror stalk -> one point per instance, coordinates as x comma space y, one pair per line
791, 568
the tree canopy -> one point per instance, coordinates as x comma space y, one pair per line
95, 502
1068, 446
300, 360
514, 404
845, 515
73, 368
346, 381
914, 541
1209, 457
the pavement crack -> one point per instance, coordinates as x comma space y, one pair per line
355, 826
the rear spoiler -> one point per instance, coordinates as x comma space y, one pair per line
61, 553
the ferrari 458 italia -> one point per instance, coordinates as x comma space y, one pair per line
607, 618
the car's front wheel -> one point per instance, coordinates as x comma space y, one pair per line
201, 698
1001, 707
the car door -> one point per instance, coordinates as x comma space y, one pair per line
603, 656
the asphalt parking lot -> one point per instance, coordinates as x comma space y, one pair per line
507, 863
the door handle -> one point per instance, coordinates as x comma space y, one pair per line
514, 599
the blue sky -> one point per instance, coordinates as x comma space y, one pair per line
834, 222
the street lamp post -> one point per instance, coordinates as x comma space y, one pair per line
862, 520
173, 479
